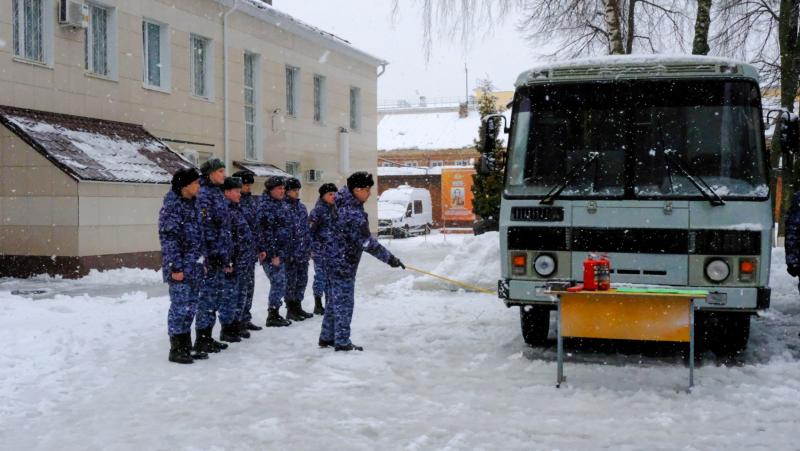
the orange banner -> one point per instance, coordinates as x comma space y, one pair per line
457, 194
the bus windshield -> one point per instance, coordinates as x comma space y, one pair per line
638, 131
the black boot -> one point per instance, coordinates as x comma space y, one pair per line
299, 309
177, 352
292, 311
251, 326
350, 347
243, 332
230, 333
318, 308
187, 343
205, 343
274, 319
325, 343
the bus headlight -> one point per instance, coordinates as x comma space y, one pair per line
717, 270
544, 265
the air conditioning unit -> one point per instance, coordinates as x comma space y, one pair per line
73, 14
313, 175
192, 156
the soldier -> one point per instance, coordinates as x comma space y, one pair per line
321, 222
218, 247
351, 238
244, 255
179, 233
273, 239
298, 253
246, 274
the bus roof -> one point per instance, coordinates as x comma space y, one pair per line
636, 67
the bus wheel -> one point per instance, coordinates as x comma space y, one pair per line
535, 321
726, 333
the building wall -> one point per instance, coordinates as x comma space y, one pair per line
177, 115
38, 203
425, 158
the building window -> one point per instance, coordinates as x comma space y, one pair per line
32, 29
437, 163
462, 163
201, 61
156, 54
292, 87
387, 164
411, 164
293, 168
319, 98
355, 108
100, 41
251, 110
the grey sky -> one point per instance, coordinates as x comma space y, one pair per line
368, 25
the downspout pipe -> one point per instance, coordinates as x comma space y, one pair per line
226, 131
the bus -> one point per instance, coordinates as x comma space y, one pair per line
657, 162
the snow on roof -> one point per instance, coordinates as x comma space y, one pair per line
434, 130
268, 13
633, 65
261, 169
95, 149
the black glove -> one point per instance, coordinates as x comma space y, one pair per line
793, 270
394, 262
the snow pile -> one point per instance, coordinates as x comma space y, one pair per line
475, 261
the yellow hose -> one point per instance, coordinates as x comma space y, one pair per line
454, 282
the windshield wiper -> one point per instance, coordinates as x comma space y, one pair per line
711, 196
556, 190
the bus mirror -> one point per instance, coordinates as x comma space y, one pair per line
489, 135
789, 127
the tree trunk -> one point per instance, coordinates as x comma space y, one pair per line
789, 54
701, 25
613, 28
631, 26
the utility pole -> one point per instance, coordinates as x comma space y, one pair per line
466, 84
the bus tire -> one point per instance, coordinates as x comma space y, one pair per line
535, 322
726, 333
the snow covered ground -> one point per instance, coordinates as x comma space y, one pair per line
84, 366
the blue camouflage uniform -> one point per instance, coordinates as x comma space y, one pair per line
351, 237
246, 274
181, 251
243, 257
218, 246
792, 238
298, 251
273, 239
321, 222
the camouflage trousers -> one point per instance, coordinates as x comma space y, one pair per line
212, 293
182, 306
319, 285
339, 303
247, 281
296, 279
230, 307
277, 283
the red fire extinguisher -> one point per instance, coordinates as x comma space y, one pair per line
596, 273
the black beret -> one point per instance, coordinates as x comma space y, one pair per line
183, 177
274, 181
248, 178
360, 179
327, 188
232, 183
293, 183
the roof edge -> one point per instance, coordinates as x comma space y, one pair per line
273, 16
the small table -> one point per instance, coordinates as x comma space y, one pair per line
627, 314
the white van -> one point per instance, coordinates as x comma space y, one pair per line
404, 211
